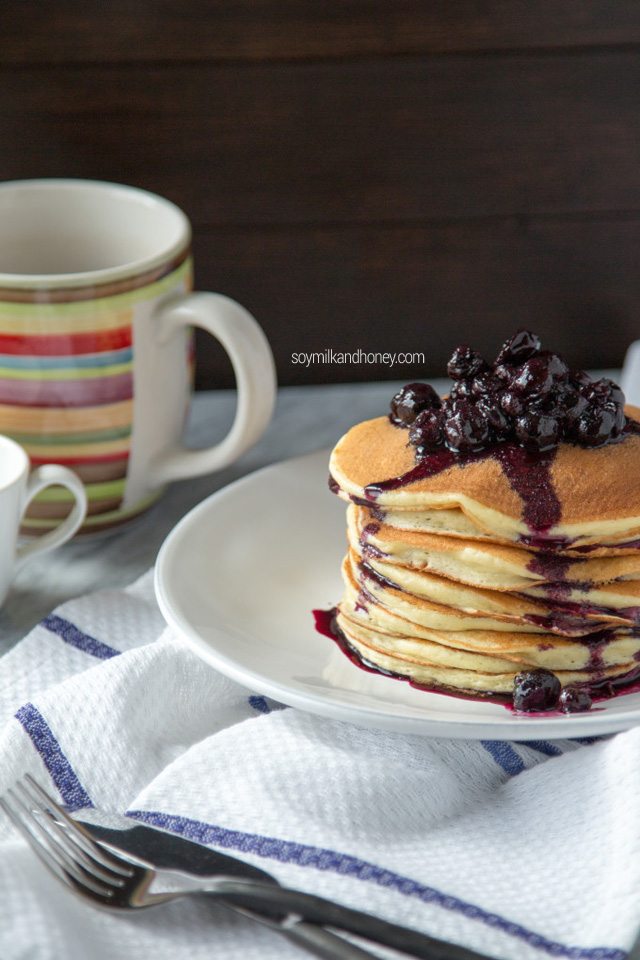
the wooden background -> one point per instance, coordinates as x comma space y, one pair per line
385, 174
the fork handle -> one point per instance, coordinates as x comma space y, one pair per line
322, 943
316, 940
271, 900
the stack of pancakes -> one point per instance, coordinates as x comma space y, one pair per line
448, 586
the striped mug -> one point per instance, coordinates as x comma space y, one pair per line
96, 316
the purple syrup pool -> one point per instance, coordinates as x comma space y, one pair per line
325, 624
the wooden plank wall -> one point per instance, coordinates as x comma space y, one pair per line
360, 173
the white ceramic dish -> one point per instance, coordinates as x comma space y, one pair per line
238, 578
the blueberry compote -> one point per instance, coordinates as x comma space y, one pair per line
517, 410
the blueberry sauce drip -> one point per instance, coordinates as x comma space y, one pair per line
589, 548
530, 476
363, 600
369, 531
570, 610
431, 465
334, 487
560, 591
370, 574
552, 566
597, 644
537, 542
369, 549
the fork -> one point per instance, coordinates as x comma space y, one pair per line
109, 879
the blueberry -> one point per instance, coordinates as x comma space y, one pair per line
536, 690
511, 403
596, 425
580, 379
504, 374
460, 389
466, 429
499, 423
426, 430
575, 700
537, 431
533, 378
537, 376
518, 348
570, 401
621, 419
465, 363
412, 400
603, 390
484, 383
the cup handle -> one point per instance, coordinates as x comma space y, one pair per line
254, 368
50, 474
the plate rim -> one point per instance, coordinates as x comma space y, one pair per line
509, 727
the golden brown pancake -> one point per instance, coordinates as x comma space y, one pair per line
516, 614
598, 488
484, 564
454, 523
478, 649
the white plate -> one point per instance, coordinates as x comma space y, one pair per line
238, 578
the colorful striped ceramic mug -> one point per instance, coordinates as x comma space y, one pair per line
95, 345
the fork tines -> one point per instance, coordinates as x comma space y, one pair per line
62, 845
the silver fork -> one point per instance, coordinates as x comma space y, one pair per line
107, 879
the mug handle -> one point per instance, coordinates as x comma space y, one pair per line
48, 475
254, 368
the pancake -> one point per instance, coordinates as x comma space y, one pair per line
479, 563
479, 649
359, 584
500, 605
364, 579
597, 489
461, 680
622, 597
454, 523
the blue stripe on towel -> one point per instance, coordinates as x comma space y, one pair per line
76, 638
304, 855
505, 756
259, 704
542, 746
71, 790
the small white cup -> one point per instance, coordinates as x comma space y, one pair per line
17, 489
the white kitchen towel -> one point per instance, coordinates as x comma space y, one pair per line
518, 850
